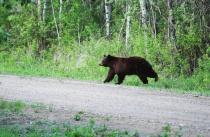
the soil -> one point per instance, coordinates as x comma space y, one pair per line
118, 106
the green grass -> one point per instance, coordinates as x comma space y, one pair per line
50, 108
107, 118
53, 130
38, 106
47, 128
78, 131
77, 117
50, 128
82, 63
98, 74
14, 106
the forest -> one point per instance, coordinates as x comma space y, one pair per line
68, 38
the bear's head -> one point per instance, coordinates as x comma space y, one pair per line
107, 61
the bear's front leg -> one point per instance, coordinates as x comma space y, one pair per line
144, 79
110, 75
121, 77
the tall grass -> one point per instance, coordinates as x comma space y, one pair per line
80, 61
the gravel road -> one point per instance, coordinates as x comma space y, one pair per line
128, 107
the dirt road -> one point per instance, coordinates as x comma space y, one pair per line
131, 108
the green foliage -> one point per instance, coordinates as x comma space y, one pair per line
50, 108
47, 128
67, 131
77, 117
51, 129
82, 63
15, 106
107, 118
92, 131
29, 44
37, 107
7, 132
91, 123
167, 132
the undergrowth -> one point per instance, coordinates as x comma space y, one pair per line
14, 106
81, 61
51, 129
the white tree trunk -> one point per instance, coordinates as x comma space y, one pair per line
171, 30
144, 21
59, 17
128, 19
39, 41
44, 10
143, 12
107, 16
78, 33
153, 20
56, 25
39, 8
60, 9
121, 29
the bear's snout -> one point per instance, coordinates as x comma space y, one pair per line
100, 64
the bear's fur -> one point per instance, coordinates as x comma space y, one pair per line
128, 66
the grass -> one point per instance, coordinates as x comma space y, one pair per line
77, 117
77, 131
39, 106
179, 85
51, 129
14, 106
82, 63
107, 118
64, 131
50, 108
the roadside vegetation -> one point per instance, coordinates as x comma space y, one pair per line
82, 63
51, 129
71, 42
67, 39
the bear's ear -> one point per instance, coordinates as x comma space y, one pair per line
109, 55
104, 55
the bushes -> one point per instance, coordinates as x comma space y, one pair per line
80, 61
29, 42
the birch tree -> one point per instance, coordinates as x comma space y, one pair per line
171, 29
44, 10
144, 21
60, 9
128, 19
56, 25
143, 13
42, 7
39, 9
107, 16
153, 19
59, 17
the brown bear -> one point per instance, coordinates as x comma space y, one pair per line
128, 66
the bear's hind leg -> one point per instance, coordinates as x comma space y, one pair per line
121, 77
110, 75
